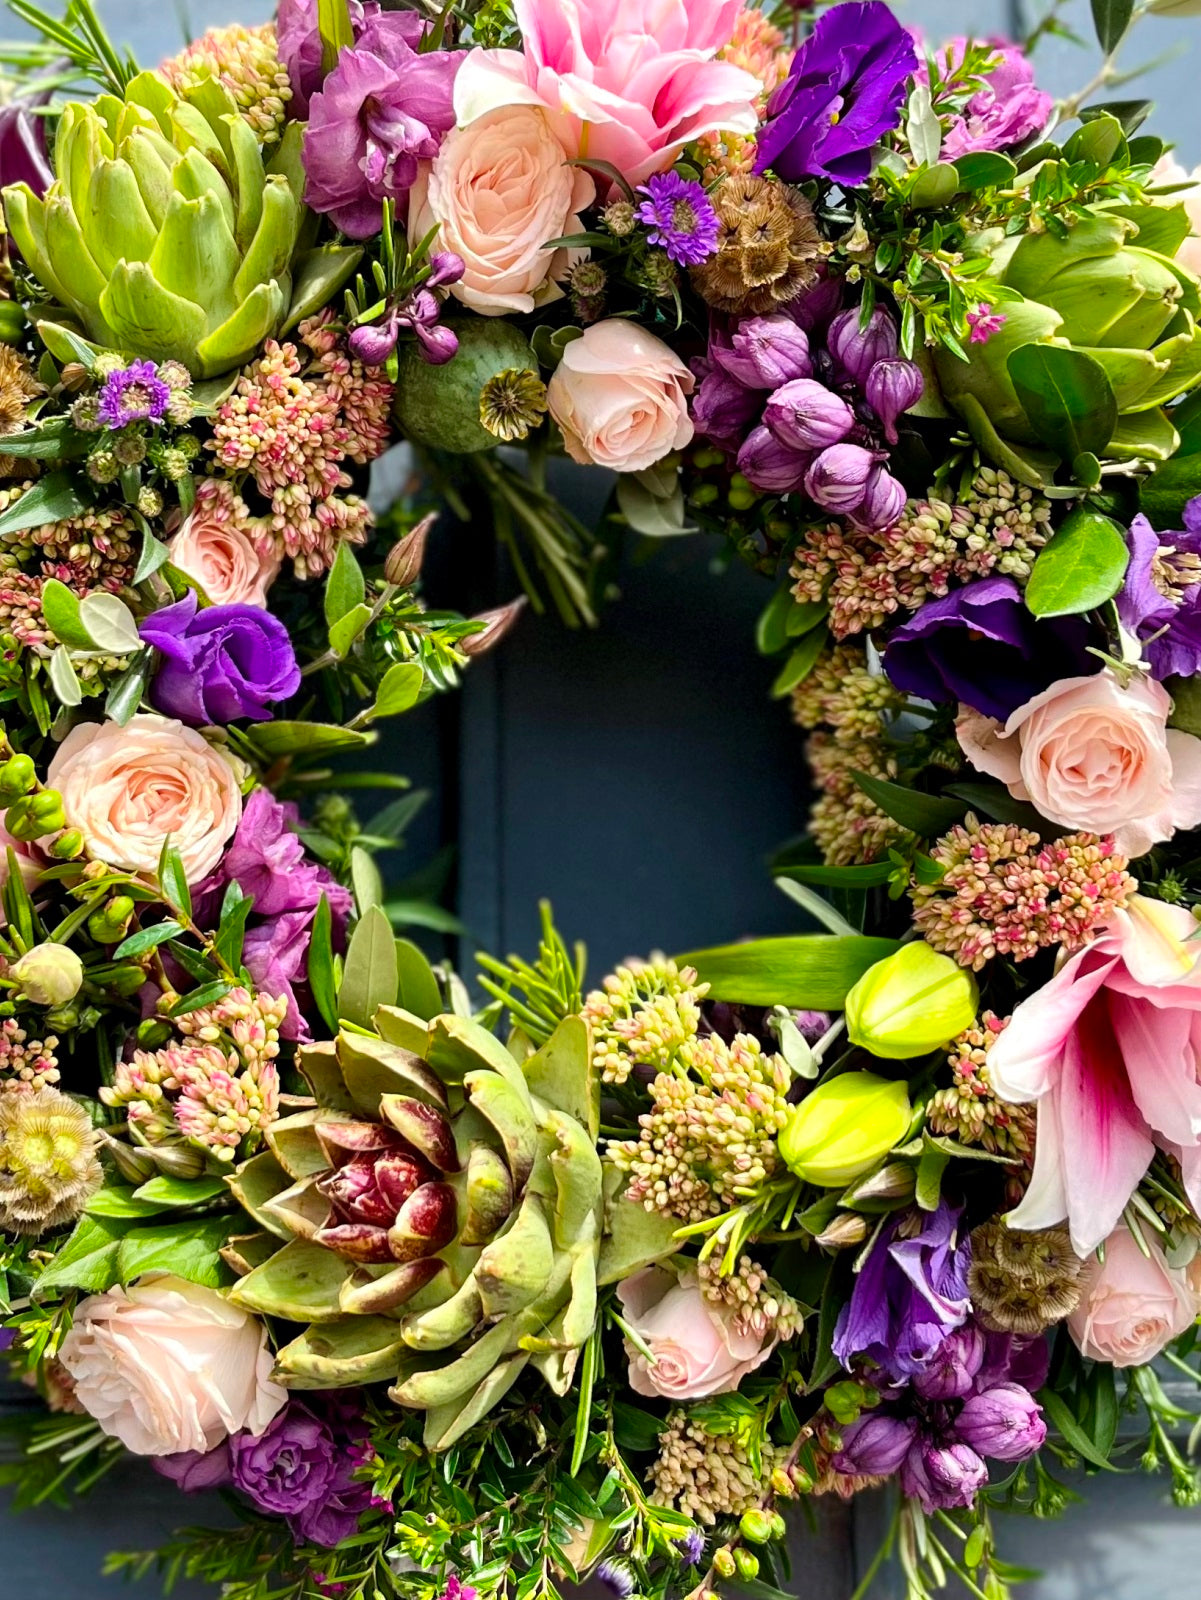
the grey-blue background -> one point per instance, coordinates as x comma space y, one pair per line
638, 776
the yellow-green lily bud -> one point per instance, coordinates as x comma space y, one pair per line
844, 1127
48, 975
911, 1003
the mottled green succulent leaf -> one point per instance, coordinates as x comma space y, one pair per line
446, 1424
634, 1238
445, 1324
347, 1352
513, 1270
256, 1181
372, 1068
294, 1144
561, 1073
442, 1385
399, 1026
299, 1283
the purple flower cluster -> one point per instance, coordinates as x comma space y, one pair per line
419, 314
1160, 601
680, 217
803, 416
1007, 108
302, 1467
221, 664
973, 1403
135, 393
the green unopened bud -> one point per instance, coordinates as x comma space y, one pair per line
723, 1562
48, 975
68, 846
782, 1484
756, 1526
747, 1564
844, 1401
13, 322
135, 1166
895, 1181
844, 1127
36, 815
125, 980
778, 1526
64, 1019
911, 1003
802, 1481
153, 1033
844, 1232
17, 777
177, 1160
110, 923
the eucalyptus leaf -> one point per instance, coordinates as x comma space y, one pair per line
64, 680
60, 610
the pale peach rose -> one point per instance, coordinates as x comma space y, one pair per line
621, 398
167, 1366
498, 191
697, 1346
126, 789
220, 557
1090, 754
1133, 1304
1168, 170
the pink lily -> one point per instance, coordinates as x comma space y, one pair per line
1110, 1049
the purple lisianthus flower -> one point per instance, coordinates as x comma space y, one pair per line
195, 1471
289, 1467
910, 1294
845, 90
1004, 112
1160, 600
980, 645
680, 217
24, 157
135, 393
276, 956
221, 664
384, 108
298, 38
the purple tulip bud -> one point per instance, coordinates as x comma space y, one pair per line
722, 409
373, 342
808, 416
445, 268
769, 465
942, 1477
892, 387
953, 1367
883, 501
875, 1445
858, 349
838, 478
762, 352
1005, 1423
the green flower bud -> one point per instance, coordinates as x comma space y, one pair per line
746, 1564
67, 846
756, 1526
17, 778
48, 975
36, 815
13, 322
844, 1127
153, 1033
911, 1003
110, 923
723, 1562
782, 1484
778, 1526
125, 980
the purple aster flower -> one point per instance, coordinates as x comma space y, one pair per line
1160, 600
844, 92
1006, 110
910, 1294
134, 394
221, 664
680, 218
691, 1547
980, 645
983, 322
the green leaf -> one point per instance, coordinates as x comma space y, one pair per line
121, 1201
189, 1249
199, 998
1080, 568
985, 169
125, 696
1067, 396
60, 608
321, 977
806, 971
109, 623
934, 186
154, 555
345, 587
419, 991
168, 1191
1111, 18
994, 801
365, 880
801, 662
53, 498
173, 880
64, 680
336, 30
399, 690
872, 876
1165, 493
272, 740
1065, 1424
231, 930
147, 939
48, 441
88, 1260
927, 815
348, 628
370, 978
930, 1168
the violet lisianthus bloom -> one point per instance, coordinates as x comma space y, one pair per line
845, 91
385, 108
980, 645
219, 665
1005, 111
1160, 600
24, 157
911, 1293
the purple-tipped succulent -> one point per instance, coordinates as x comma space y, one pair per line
389, 1200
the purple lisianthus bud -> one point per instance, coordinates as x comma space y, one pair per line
892, 387
953, 1367
194, 1471
813, 1024
770, 465
220, 665
807, 416
722, 408
1005, 1423
837, 479
813, 309
445, 268
883, 501
762, 352
875, 1445
857, 349
943, 1476
438, 345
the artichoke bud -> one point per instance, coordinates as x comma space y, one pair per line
911, 1003
844, 1127
489, 1194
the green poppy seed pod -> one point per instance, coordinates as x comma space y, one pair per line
844, 1127
48, 975
911, 1003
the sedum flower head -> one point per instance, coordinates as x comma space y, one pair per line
762, 1310
708, 1475
94, 550
709, 1140
847, 826
1023, 1282
48, 1164
968, 1110
246, 61
644, 1014
26, 1063
843, 694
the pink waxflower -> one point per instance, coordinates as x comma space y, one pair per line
628, 82
1109, 1049
984, 322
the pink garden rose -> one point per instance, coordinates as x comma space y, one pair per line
629, 82
1110, 1049
621, 398
212, 550
1090, 754
167, 1366
1133, 1304
126, 789
497, 191
698, 1348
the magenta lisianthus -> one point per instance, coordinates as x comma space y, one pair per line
1005, 111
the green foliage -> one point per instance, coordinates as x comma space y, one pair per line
538, 996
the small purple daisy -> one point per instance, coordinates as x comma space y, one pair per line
680, 217
134, 394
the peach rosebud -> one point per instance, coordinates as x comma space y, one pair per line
216, 553
1133, 1304
698, 1348
128, 789
621, 398
497, 191
167, 1366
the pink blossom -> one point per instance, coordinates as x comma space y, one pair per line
984, 322
1110, 1050
699, 1348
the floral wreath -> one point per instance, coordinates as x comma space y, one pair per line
471, 1288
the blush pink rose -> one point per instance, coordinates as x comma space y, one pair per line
167, 1366
621, 398
214, 552
1167, 170
1090, 754
628, 82
497, 191
1133, 1304
128, 789
699, 1348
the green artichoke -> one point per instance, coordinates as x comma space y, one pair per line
447, 1216
1109, 292
163, 234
